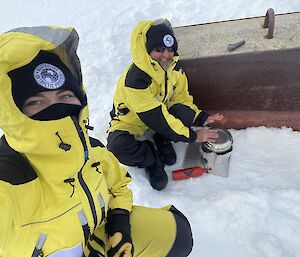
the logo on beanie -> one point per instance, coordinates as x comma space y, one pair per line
168, 40
49, 76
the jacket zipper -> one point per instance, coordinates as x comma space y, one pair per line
39, 246
80, 178
89, 196
166, 86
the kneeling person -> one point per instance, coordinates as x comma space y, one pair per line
153, 94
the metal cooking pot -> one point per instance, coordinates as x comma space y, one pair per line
217, 154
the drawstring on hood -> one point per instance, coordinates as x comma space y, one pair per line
87, 125
63, 145
95, 165
71, 181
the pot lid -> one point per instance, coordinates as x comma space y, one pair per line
223, 142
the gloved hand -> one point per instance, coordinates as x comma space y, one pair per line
119, 235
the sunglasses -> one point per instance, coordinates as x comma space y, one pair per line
161, 49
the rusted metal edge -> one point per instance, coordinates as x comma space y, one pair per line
244, 119
240, 19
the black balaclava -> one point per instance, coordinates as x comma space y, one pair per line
57, 111
160, 35
46, 72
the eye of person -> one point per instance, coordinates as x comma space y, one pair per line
67, 95
33, 102
161, 49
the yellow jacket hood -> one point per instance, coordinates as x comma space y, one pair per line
19, 47
139, 53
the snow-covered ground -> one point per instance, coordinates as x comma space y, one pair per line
255, 212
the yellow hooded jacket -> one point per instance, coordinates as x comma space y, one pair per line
50, 198
145, 92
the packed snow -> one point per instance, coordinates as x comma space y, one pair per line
255, 211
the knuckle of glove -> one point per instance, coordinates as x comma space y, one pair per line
121, 245
115, 239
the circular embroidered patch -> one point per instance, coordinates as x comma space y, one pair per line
168, 40
49, 76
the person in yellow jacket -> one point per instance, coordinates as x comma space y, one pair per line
153, 94
62, 193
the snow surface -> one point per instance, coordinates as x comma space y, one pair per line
255, 212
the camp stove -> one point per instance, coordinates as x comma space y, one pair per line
208, 157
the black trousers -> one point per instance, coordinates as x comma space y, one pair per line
132, 152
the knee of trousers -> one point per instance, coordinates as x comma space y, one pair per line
129, 151
115, 139
118, 143
183, 243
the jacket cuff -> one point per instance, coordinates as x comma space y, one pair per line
193, 136
117, 211
201, 118
118, 221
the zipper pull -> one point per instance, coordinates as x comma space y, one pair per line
71, 181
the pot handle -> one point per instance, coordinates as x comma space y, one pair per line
269, 22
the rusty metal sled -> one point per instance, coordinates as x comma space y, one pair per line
248, 73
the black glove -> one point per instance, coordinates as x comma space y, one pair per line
119, 235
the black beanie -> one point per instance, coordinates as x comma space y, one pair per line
160, 35
46, 72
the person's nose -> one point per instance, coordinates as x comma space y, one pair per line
166, 53
52, 99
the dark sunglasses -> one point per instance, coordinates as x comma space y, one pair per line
161, 49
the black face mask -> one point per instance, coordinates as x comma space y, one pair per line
57, 111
